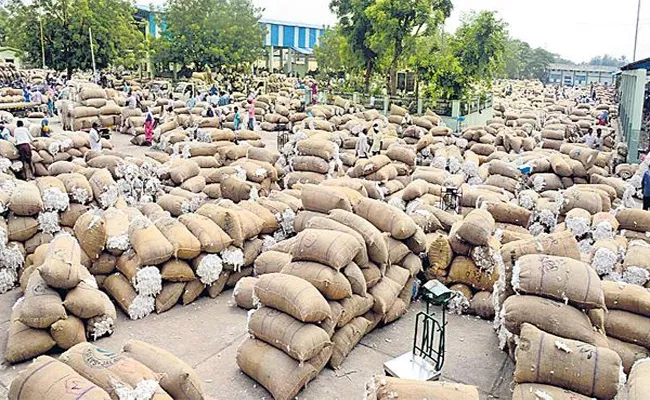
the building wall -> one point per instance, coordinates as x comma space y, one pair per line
579, 77
280, 34
10, 56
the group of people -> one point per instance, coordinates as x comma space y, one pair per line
362, 148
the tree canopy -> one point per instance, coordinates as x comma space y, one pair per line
210, 33
524, 62
609, 61
66, 24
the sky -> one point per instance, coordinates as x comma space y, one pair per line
575, 29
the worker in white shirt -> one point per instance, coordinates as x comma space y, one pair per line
94, 138
24, 145
132, 101
590, 138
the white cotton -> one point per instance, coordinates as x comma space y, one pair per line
253, 194
475, 181
16, 166
120, 242
470, 168
542, 395
526, 202
603, 230
458, 304
455, 165
516, 271
79, 195
586, 245
397, 202
286, 220
578, 226
11, 257
628, 197
268, 241
105, 326
604, 261
8, 279
233, 257
49, 222
109, 196
55, 200
462, 143
144, 390
5, 164
210, 268
147, 281
485, 258
536, 229
439, 162
141, 306
539, 183
635, 275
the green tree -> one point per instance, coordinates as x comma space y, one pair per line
397, 24
210, 33
523, 62
66, 23
357, 28
333, 53
608, 61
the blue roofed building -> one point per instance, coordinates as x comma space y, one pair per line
290, 45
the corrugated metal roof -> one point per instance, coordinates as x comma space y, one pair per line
641, 64
583, 67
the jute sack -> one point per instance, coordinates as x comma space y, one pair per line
176, 205
91, 228
352, 307
149, 243
386, 218
117, 228
177, 271
533, 391
47, 378
86, 301
589, 201
24, 343
626, 297
68, 332
629, 353
21, 229
387, 388
310, 164
62, 266
186, 246
169, 296
634, 219
177, 377
605, 217
270, 223
122, 291
329, 224
482, 305
193, 290
212, 238
41, 305
323, 199
292, 295
559, 165
26, 200
439, 254
182, 170
415, 189
638, 383
629, 327
559, 278
271, 262
280, 374
385, 292
77, 187
299, 340
552, 317
104, 188
345, 339
243, 293
238, 224
509, 213
331, 283
326, 247
464, 270
375, 241
110, 371
356, 278
548, 359
556, 244
368, 166
396, 251
637, 255
237, 190
324, 149
302, 219
477, 227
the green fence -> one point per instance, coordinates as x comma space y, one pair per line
632, 91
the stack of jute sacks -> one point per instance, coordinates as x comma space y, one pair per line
140, 371
315, 160
42, 319
92, 106
351, 267
48, 153
386, 388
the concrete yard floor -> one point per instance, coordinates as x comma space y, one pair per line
206, 335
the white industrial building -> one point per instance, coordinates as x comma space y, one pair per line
580, 75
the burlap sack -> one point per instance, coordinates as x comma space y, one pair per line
626, 297
386, 388
331, 283
26, 200
323, 223
292, 295
509, 213
121, 290
186, 245
629, 327
386, 218
238, 224
47, 378
634, 219
637, 255
532, 391
326, 247
385, 292
243, 293
212, 238
638, 384
91, 228
464, 270
68, 332
545, 358
177, 377
345, 339
477, 227
323, 199
117, 370
352, 307
375, 241
271, 262
193, 290
356, 278
182, 170
149, 243
21, 229
589, 201
169, 296
177, 271
317, 147
552, 317
24, 343
299, 340
280, 374
368, 166
372, 274
62, 266
270, 223
41, 306
482, 305
559, 278
629, 353
86, 301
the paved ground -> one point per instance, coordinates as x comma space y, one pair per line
206, 335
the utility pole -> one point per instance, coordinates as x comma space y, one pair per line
636, 32
40, 21
92, 54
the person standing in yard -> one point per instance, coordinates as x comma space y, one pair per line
94, 138
646, 190
237, 121
376, 140
362, 145
24, 143
148, 129
251, 113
